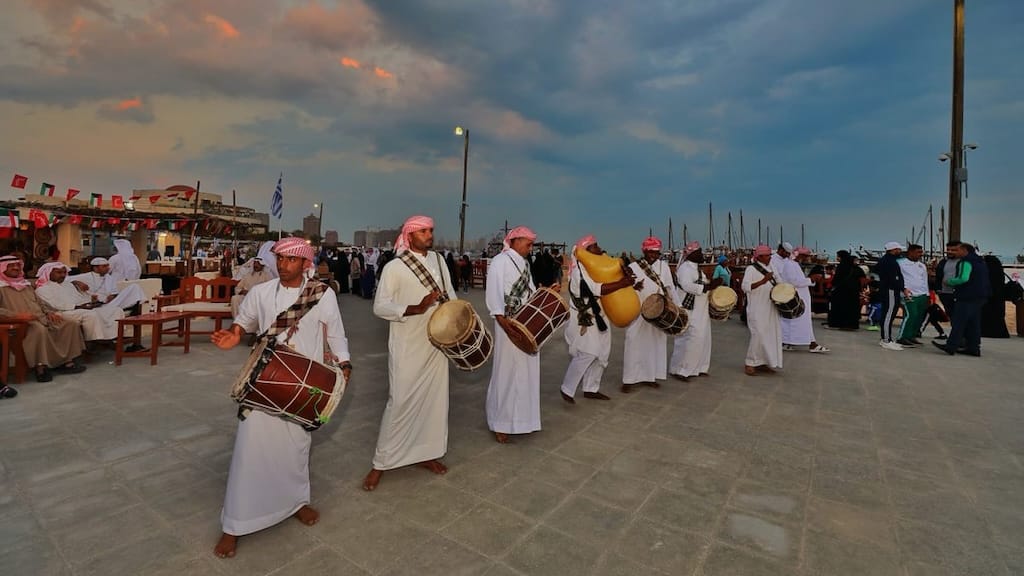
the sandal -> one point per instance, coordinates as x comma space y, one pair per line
7, 392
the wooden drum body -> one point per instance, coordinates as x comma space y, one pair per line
456, 330
539, 317
721, 302
281, 382
787, 301
663, 313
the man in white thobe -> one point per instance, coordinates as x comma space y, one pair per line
691, 351
414, 427
513, 395
645, 352
125, 264
764, 353
100, 283
588, 332
269, 476
98, 322
799, 331
256, 273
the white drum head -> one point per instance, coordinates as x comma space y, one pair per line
451, 322
782, 293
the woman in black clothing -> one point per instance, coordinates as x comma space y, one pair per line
993, 313
844, 302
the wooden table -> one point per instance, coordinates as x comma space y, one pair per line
13, 345
156, 322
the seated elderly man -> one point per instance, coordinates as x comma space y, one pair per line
102, 284
98, 320
52, 341
253, 273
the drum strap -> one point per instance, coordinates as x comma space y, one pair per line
689, 300
289, 319
759, 268
650, 274
588, 309
424, 275
514, 299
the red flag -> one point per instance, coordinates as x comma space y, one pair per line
171, 195
72, 193
135, 197
19, 181
154, 199
151, 223
113, 220
188, 194
75, 219
39, 219
117, 202
96, 223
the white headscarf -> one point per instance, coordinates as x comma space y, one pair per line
125, 264
266, 255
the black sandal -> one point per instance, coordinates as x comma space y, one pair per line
7, 392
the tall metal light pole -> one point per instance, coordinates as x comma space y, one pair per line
958, 183
957, 132
464, 132
319, 221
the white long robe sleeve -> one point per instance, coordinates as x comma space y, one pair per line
765, 348
414, 427
645, 351
513, 394
269, 476
691, 350
797, 331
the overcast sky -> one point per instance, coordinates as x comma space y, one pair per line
585, 116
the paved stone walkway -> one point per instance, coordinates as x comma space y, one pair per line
861, 462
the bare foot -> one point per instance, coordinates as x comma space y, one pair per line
372, 479
434, 466
501, 437
750, 371
225, 547
307, 515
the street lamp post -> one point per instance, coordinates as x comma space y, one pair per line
319, 220
957, 131
464, 132
958, 184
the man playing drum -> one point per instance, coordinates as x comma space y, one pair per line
587, 333
513, 395
645, 356
764, 353
799, 331
691, 352
269, 476
414, 428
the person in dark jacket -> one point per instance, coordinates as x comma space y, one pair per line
993, 313
892, 290
972, 288
946, 268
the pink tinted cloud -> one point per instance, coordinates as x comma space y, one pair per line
350, 23
224, 28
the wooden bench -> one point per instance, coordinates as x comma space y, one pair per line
156, 322
12, 334
201, 298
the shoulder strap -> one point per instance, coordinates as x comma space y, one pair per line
424, 275
288, 320
649, 272
764, 272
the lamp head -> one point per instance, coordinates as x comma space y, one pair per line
971, 146
459, 130
944, 156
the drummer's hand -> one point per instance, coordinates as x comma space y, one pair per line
428, 301
226, 339
556, 287
639, 285
716, 282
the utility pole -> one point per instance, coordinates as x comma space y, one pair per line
957, 133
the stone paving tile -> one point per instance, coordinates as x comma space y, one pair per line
849, 464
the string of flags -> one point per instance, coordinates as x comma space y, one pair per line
96, 200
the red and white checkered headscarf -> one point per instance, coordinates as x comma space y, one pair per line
763, 250
518, 232
19, 283
650, 243
691, 248
295, 247
413, 224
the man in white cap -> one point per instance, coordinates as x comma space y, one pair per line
100, 283
268, 481
892, 291
782, 254
691, 351
98, 321
798, 331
